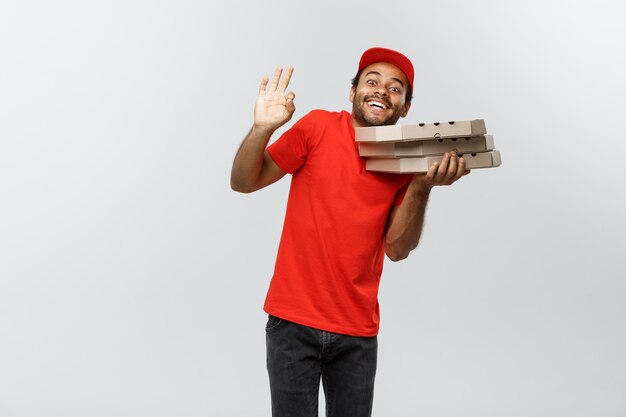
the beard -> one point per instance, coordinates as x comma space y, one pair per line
365, 118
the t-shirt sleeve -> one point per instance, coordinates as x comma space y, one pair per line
402, 191
290, 149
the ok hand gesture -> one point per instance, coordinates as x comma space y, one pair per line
273, 107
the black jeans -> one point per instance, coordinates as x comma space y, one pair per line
298, 356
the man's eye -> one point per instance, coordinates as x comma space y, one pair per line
395, 89
371, 82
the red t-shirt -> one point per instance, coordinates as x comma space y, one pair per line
331, 251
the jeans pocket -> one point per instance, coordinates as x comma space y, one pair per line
272, 322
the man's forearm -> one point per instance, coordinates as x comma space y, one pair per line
404, 226
248, 162
406, 221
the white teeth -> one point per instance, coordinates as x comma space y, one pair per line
377, 104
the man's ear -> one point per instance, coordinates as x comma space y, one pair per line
407, 106
352, 93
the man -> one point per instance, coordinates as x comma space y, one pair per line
340, 222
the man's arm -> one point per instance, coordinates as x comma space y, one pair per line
253, 168
404, 226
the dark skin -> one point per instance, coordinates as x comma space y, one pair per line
378, 99
253, 168
385, 83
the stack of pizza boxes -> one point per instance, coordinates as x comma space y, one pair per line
414, 148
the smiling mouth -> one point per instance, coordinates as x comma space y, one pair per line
377, 104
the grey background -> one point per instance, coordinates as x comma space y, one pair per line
132, 277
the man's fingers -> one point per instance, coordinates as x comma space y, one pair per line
448, 170
442, 170
460, 170
276, 78
285, 82
263, 85
452, 166
432, 171
289, 104
277, 84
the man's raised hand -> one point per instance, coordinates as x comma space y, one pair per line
273, 106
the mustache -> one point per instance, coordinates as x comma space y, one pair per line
378, 98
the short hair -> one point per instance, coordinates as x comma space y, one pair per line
409, 91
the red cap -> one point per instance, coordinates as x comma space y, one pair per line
374, 55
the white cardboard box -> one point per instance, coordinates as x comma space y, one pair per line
426, 147
420, 131
421, 164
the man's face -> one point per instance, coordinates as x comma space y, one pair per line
379, 97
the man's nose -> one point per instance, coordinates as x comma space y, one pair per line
381, 90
